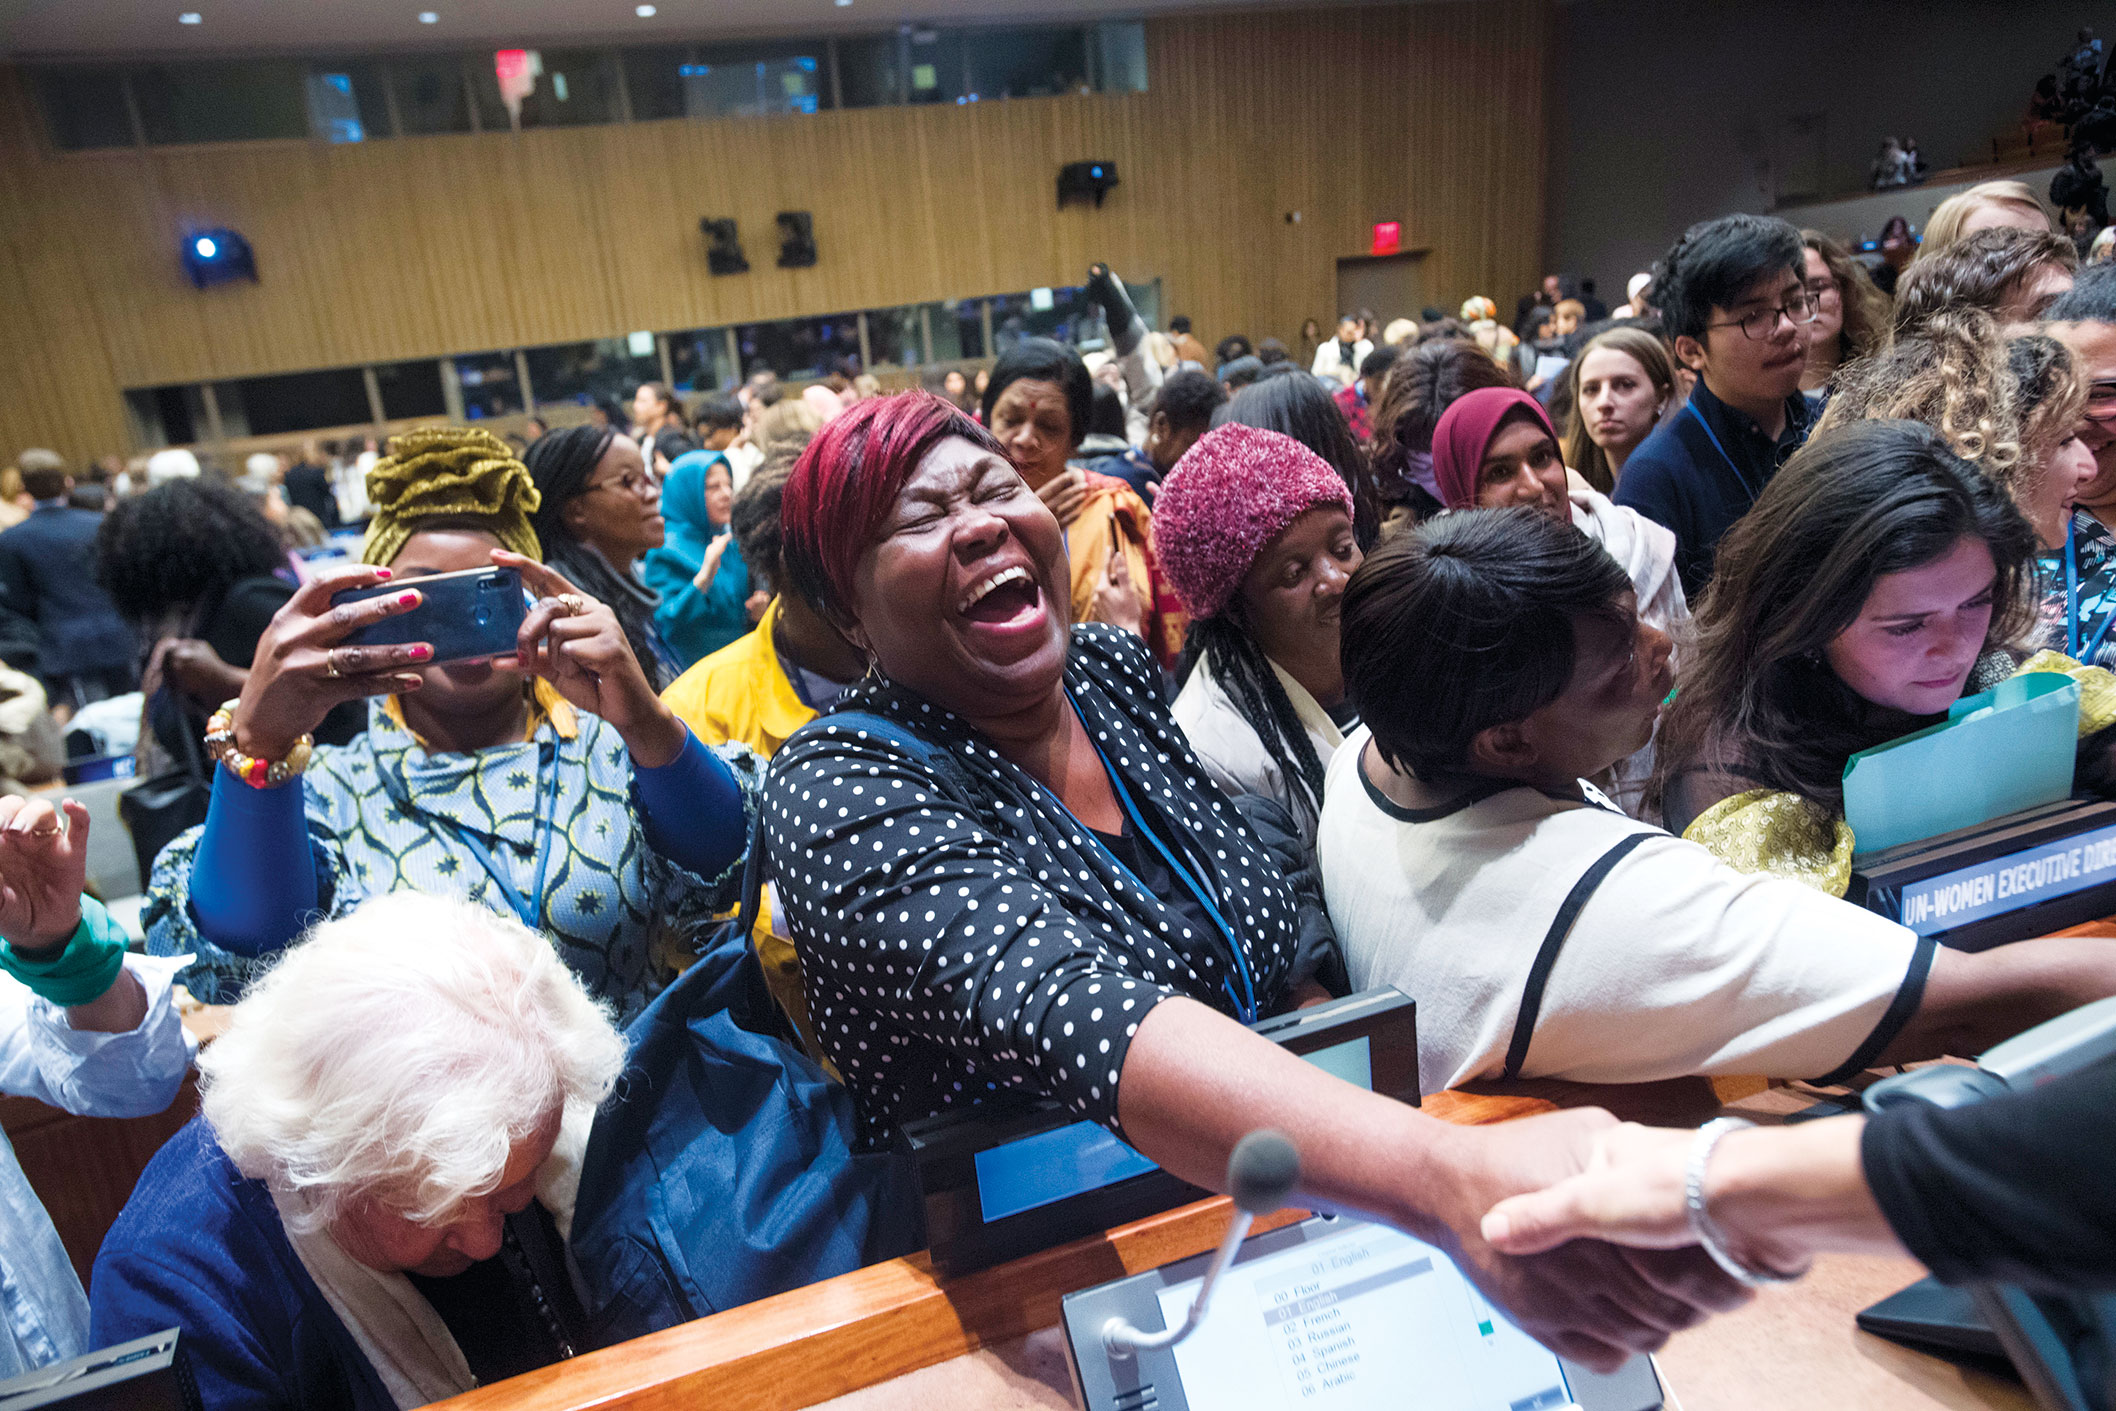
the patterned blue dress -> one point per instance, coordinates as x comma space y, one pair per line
384, 815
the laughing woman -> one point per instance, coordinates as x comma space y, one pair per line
1007, 874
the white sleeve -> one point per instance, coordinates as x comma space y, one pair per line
1679, 964
95, 1074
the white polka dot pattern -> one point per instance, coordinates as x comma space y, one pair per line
962, 934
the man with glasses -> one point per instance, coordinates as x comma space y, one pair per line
1733, 297
2085, 318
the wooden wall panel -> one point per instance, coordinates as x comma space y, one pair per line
1431, 114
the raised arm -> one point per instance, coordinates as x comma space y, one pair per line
1975, 999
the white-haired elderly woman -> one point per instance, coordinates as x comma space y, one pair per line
370, 1210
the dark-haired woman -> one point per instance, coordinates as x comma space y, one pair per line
1255, 532
1039, 402
195, 569
600, 511
1301, 407
1879, 579
1008, 877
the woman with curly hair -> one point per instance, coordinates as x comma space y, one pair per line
2012, 275
2008, 406
196, 570
549, 782
1851, 315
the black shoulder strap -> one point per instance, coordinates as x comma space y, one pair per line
1554, 941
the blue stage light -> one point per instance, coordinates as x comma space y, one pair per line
217, 256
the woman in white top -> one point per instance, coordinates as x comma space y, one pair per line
1254, 533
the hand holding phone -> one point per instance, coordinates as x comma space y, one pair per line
305, 665
576, 644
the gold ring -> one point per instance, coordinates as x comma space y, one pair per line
330, 664
574, 604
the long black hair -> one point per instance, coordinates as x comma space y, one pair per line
1244, 672
1300, 408
181, 545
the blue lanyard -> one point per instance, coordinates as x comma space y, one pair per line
1245, 1000
1699, 418
529, 908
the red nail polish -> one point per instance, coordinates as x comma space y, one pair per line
421, 652
408, 599
384, 573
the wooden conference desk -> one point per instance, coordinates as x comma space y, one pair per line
895, 1337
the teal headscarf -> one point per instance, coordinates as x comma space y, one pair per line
688, 527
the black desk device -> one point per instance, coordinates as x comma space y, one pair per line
2027, 874
1001, 1180
2063, 1347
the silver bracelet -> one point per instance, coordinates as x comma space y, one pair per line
1701, 1223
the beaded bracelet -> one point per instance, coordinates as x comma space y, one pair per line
257, 773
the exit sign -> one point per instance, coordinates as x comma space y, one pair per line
1388, 237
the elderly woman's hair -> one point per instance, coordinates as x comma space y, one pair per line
1945, 225
1854, 504
2002, 403
1045, 360
398, 1054
1865, 330
785, 429
1652, 356
846, 484
1978, 271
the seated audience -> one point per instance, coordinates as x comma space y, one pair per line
1233, 346
1497, 659
598, 512
2012, 275
1038, 404
2008, 406
1733, 293
2085, 319
1495, 449
658, 416
1621, 386
1851, 316
1255, 532
1008, 875
698, 571
1988, 205
197, 571
1421, 387
1480, 316
550, 782
1354, 400
717, 424
1236, 375
1301, 407
370, 1210
1338, 358
84, 1027
76, 643
1880, 579
1181, 413
2014, 1190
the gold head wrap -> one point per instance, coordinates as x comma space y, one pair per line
449, 472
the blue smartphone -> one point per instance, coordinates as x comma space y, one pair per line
463, 616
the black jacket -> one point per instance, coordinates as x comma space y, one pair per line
47, 577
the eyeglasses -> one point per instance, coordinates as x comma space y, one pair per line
1798, 310
631, 483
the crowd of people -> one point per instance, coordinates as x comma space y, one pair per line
1078, 712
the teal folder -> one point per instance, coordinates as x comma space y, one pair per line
1997, 753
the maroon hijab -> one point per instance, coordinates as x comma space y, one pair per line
1465, 432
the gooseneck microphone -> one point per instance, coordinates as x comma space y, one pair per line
1261, 1173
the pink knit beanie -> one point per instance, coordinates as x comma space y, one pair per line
1230, 495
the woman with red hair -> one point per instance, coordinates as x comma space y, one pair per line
1005, 871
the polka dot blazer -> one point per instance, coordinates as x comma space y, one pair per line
962, 934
